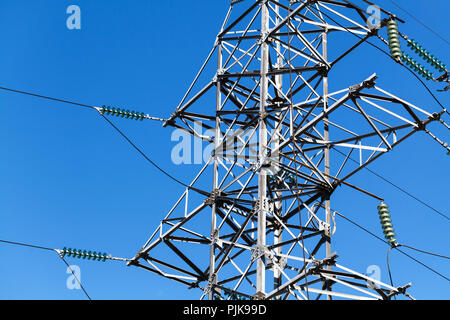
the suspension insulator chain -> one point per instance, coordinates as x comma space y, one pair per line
386, 223
427, 56
83, 254
416, 66
123, 113
394, 39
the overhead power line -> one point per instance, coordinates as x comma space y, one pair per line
75, 276
425, 252
27, 245
396, 248
142, 152
69, 252
113, 126
54, 250
397, 187
420, 22
48, 98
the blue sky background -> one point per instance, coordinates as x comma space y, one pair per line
66, 179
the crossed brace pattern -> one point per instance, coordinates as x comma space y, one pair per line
256, 223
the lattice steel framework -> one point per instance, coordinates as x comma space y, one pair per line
262, 228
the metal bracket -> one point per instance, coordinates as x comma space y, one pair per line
213, 197
261, 163
318, 264
323, 226
400, 290
258, 251
368, 83
210, 284
281, 262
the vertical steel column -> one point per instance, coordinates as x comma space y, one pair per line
326, 137
262, 152
277, 206
214, 231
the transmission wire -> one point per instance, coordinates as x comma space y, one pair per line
142, 153
50, 249
425, 252
377, 237
74, 275
112, 125
389, 268
27, 245
396, 186
48, 98
420, 22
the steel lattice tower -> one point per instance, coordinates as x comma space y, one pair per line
283, 144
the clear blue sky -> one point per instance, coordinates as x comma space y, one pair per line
68, 180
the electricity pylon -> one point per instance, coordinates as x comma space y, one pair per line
257, 222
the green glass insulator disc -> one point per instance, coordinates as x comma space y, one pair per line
390, 234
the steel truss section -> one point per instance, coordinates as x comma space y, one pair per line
282, 145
